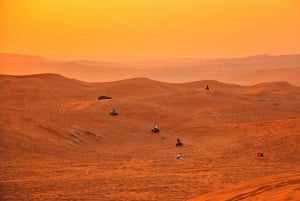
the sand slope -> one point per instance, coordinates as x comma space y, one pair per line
278, 187
58, 142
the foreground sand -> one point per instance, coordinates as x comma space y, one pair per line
59, 143
278, 187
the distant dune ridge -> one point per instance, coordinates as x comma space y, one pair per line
57, 141
246, 71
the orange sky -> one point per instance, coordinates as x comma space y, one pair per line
176, 28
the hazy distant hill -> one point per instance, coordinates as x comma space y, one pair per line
247, 70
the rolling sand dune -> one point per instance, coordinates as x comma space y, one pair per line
270, 75
246, 71
58, 142
14, 64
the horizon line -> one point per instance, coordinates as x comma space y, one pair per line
99, 57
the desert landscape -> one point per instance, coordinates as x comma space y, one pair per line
58, 142
149, 100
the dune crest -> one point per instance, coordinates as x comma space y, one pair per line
245, 71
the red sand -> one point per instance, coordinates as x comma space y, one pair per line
57, 142
275, 188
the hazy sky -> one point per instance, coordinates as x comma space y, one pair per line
176, 28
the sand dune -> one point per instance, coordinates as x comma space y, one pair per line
270, 75
246, 71
14, 64
58, 142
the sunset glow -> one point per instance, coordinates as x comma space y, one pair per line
176, 28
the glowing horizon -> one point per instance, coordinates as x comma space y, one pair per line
169, 28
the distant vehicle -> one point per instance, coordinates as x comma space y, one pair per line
155, 129
260, 154
104, 97
179, 156
113, 112
179, 143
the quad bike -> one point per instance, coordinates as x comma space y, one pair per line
113, 112
179, 143
155, 130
